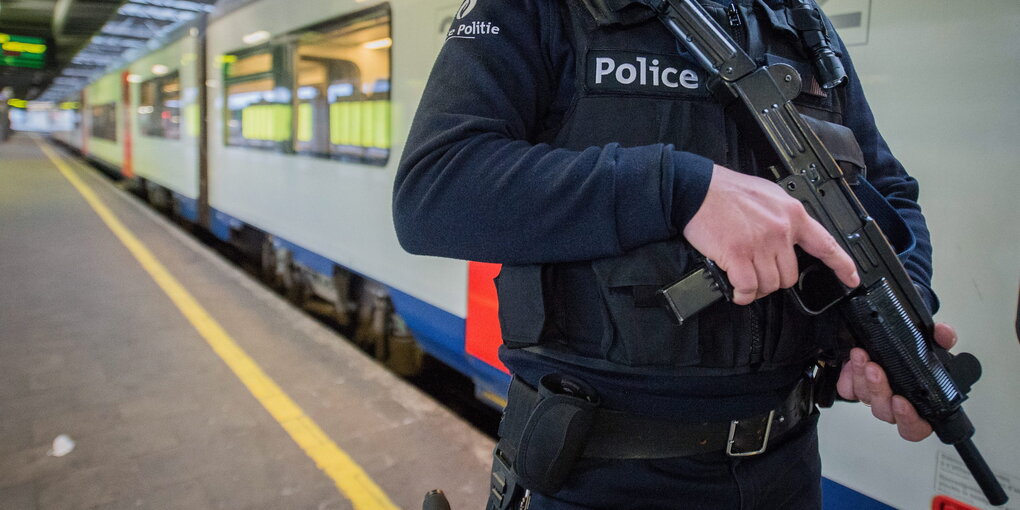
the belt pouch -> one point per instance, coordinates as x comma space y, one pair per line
554, 436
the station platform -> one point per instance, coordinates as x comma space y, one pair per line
182, 382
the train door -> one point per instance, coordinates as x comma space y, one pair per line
201, 77
126, 167
85, 123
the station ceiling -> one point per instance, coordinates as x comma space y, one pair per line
85, 37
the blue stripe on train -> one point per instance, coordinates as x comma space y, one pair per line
441, 334
221, 223
309, 259
841, 497
187, 208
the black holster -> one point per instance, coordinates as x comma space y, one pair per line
542, 434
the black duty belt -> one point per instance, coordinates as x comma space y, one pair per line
623, 435
545, 430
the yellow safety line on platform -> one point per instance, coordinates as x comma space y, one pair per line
352, 481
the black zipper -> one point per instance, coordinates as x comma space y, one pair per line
734, 16
757, 336
736, 25
755, 311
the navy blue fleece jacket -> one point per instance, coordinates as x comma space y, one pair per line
478, 182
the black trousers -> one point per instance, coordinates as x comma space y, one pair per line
788, 475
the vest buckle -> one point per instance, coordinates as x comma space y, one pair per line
503, 483
749, 431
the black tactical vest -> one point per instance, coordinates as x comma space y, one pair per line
633, 88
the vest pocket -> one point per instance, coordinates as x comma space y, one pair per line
522, 315
643, 331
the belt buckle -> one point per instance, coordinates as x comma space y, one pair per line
764, 441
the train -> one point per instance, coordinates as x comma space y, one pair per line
277, 127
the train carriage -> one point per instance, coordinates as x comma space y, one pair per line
166, 125
103, 136
289, 153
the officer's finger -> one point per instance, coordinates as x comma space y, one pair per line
945, 335
859, 360
767, 273
845, 383
789, 273
817, 241
909, 424
744, 280
880, 392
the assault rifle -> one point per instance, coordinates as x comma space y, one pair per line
886, 313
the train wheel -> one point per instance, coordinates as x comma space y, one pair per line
383, 333
370, 328
159, 198
404, 356
269, 269
342, 298
295, 288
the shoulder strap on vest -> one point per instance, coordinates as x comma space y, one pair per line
623, 12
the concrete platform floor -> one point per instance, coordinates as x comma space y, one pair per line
92, 348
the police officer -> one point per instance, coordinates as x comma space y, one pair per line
577, 146
6, 93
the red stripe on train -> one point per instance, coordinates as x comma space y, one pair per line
127, 169
942, 502
482, 334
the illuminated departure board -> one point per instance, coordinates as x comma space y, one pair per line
22, 51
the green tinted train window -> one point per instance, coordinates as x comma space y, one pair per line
342, 83
258, 106
159, 107
104, 121
332, 101
240, 66
257, 118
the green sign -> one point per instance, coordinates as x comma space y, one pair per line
21, 51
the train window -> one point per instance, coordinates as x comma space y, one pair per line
258, 112
159, 107
342, 89
239, 67
104, 121
191, 118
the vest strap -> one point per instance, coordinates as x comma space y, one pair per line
622, 12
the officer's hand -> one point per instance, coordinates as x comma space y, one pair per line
863, 380
748, 226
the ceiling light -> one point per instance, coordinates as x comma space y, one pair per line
258, 37
378, 44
